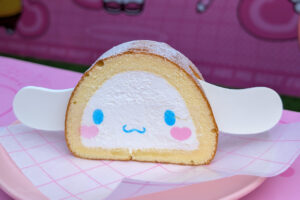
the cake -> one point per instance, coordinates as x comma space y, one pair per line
141, 101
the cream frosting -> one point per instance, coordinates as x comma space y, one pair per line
133, 105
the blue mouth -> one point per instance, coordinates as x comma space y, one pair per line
132, 130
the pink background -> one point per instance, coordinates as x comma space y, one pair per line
235, 43
16, 74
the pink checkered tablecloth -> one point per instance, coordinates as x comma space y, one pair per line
16, 74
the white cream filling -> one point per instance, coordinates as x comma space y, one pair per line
138, 100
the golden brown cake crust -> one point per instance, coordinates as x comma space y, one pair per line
158, 48
144, 51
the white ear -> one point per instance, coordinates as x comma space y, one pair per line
237, 111
244, 111
42, 108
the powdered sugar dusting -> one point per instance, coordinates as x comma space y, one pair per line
158, 48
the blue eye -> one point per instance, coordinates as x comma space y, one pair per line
170, 117
98, 116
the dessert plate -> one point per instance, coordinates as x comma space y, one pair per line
16, 185
234, 187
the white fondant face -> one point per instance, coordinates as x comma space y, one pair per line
137, 110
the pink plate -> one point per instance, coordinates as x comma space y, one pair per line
226, 189
14, 183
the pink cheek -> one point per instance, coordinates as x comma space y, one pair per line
89, 131
180, 133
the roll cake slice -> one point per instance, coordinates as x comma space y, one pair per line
141, 101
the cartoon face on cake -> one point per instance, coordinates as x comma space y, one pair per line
137, 110
141, 101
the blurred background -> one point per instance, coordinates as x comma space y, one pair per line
234, 43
